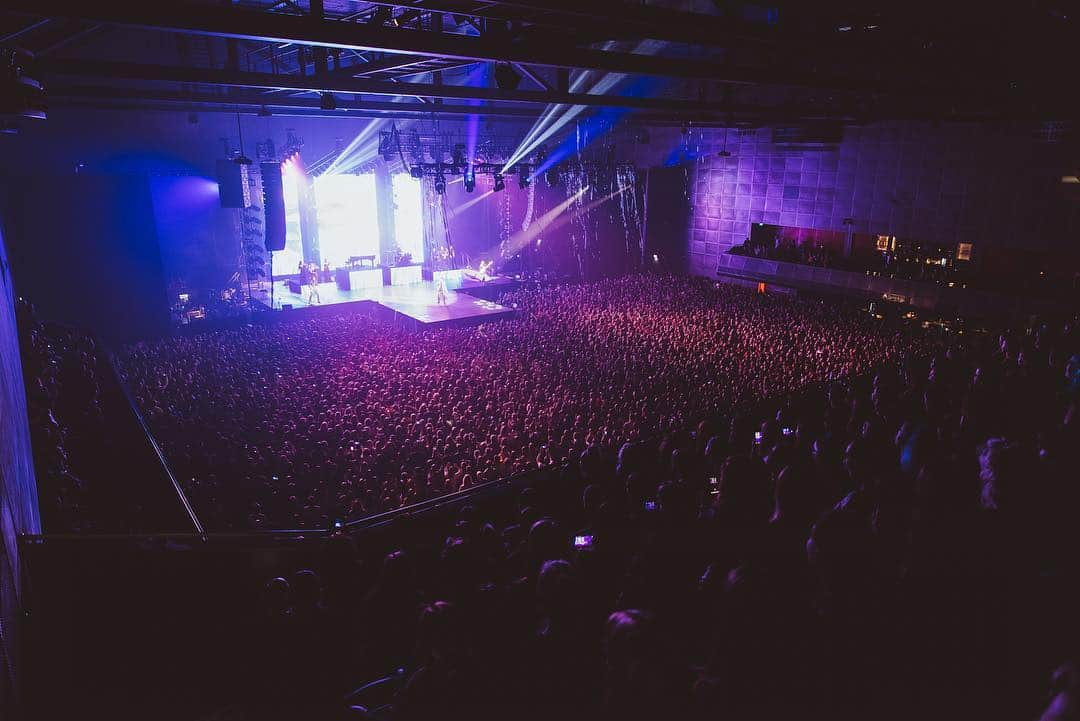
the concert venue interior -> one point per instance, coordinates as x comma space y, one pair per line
574, 359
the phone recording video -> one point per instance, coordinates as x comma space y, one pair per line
583, 541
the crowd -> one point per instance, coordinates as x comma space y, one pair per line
899, 544
790, 251
297, 424
62, 372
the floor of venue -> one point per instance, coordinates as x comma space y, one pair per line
416, 301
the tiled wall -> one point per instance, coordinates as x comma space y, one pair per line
943, 184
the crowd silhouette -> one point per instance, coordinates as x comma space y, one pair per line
896, 544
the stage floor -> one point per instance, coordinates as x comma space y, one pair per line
416, 301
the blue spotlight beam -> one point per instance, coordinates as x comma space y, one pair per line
362, 149
558, 116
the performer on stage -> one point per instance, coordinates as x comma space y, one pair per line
440, 291
481, 273
313, 279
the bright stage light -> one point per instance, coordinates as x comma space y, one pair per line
347, 216
470, 179
523, 178
547, 221
473, 201
409, 215
291, 177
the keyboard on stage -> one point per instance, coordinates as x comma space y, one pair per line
358, 260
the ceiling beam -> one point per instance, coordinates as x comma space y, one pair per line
365, 86
253, 100
534, 76
243, 24
617, 19
249, 103
22, 31
392, 62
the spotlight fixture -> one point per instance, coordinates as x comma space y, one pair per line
21, 96
470, 179
500, 182
440, 185
523, 178
506, 77
416, 171
327, 101
388, 143
381, 16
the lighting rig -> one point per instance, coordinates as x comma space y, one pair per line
469, 171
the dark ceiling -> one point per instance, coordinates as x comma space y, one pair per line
713, 63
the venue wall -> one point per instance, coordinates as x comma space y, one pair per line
84, 250
997, 187
18, 492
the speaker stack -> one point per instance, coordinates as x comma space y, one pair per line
232, 180
273, 205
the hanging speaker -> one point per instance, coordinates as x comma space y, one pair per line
273, 205
232, 184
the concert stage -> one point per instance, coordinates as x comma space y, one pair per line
414, 303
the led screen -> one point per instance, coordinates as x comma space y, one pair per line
348, 217
409, 216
